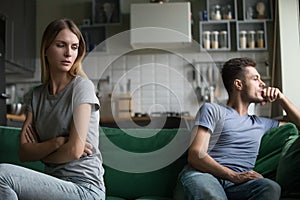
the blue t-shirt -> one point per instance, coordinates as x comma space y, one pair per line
235, 139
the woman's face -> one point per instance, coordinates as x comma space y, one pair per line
63, 51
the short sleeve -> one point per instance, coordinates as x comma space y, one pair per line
209, 116
84, 92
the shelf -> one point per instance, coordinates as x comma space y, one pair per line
218, 26
247, 27
106, 12
252, 6
226, 13
238, 22
94, 35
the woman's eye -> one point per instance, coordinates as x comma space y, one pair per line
74, 47
60, 45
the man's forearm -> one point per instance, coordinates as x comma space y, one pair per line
207, 164
293, 114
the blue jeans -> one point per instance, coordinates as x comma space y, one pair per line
197, 185
21, 183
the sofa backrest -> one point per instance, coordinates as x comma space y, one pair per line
142, 162
9, 147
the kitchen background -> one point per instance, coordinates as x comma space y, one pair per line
150, 80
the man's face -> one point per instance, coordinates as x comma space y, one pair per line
252, 86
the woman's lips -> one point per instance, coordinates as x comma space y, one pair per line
66, 62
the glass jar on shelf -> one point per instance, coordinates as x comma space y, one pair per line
206, 39
260, 38
223, 39
215, 40
216, 12
227, 12
250, 12
251, 39
243, 39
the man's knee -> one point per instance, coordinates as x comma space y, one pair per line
198, 185
270, 188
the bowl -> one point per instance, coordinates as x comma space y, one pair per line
15, 108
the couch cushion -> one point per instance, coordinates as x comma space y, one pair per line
9, 143
142, 162
153, 198
113, 198
288, 172
271, 147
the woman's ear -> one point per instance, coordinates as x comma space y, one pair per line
238, 84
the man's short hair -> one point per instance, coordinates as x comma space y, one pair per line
235, 69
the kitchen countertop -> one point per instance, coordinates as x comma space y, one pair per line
149, 122
16, 117
111, 119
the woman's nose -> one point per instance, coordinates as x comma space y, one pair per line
68, 51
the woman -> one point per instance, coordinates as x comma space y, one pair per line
61, 126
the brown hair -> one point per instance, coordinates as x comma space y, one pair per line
235, 69
49, 35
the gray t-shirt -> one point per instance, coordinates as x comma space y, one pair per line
52, 116
234, 139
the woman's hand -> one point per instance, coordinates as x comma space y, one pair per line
88, 149
30, 134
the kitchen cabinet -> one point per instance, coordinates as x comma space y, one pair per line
155, 25
247, 31
20, 36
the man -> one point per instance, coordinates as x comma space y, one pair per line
226, 139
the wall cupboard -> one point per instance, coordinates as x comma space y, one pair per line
20, 51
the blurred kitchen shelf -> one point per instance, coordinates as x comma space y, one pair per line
247, 20
215, 26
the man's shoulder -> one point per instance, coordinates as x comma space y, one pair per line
213, 106
214, 110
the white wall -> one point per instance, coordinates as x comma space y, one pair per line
290, 48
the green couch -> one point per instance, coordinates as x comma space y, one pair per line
144, 163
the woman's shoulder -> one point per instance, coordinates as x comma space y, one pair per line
81, 83
39, 88
79, 80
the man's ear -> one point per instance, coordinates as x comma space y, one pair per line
238, 84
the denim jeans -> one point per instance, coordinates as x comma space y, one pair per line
197, 185
21, 183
